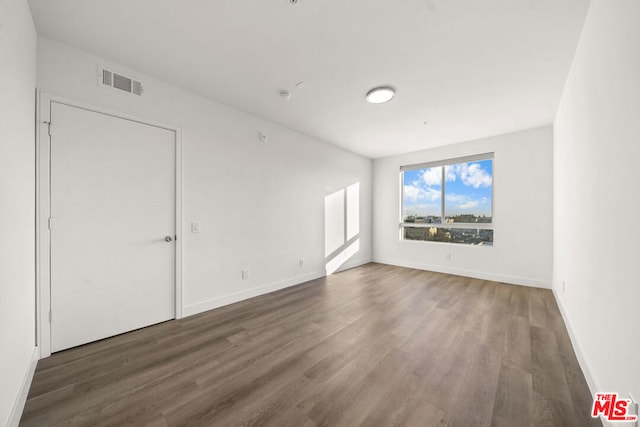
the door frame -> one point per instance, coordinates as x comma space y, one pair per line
43, 211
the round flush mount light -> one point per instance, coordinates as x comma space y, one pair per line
380, 94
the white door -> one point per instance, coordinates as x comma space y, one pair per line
113, 214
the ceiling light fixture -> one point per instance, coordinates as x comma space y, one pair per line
380, 94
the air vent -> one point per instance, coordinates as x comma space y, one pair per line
107, 78
118, 81
136, 88
122, 83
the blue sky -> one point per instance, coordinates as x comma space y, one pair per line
468, 189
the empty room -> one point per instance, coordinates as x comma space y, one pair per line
319, 213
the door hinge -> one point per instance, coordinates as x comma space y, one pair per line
50, 126
51, 223
50, 316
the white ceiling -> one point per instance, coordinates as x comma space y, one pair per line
469, 68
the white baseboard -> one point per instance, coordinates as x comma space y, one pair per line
592, 381
514, 280
212, 303
354, 263
217, 302
21, 399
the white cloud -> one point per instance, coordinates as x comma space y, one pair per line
462, 201
411, 192
456, 198
468, 205
422, 208
432, 194
473, 175
414, 193
432, 176
450, 172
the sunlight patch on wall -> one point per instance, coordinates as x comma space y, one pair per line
337, 261
333, 222
353, 211
342, 226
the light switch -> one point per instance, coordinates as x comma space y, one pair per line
195, 227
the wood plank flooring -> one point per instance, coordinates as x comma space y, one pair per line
372, 346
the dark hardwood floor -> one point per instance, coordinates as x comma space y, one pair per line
373, 346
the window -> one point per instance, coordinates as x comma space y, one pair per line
448, 201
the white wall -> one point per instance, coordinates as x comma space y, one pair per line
261, 206
596, 197
17, 209
522, 207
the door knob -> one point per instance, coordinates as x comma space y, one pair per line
168, 239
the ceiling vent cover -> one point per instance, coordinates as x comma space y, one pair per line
118, 81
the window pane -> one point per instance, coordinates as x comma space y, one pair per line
450, 235
468, 192
422, 201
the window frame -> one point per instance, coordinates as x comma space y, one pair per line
442, 224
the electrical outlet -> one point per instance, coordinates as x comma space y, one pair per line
301, 262
245, 274
195, 227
